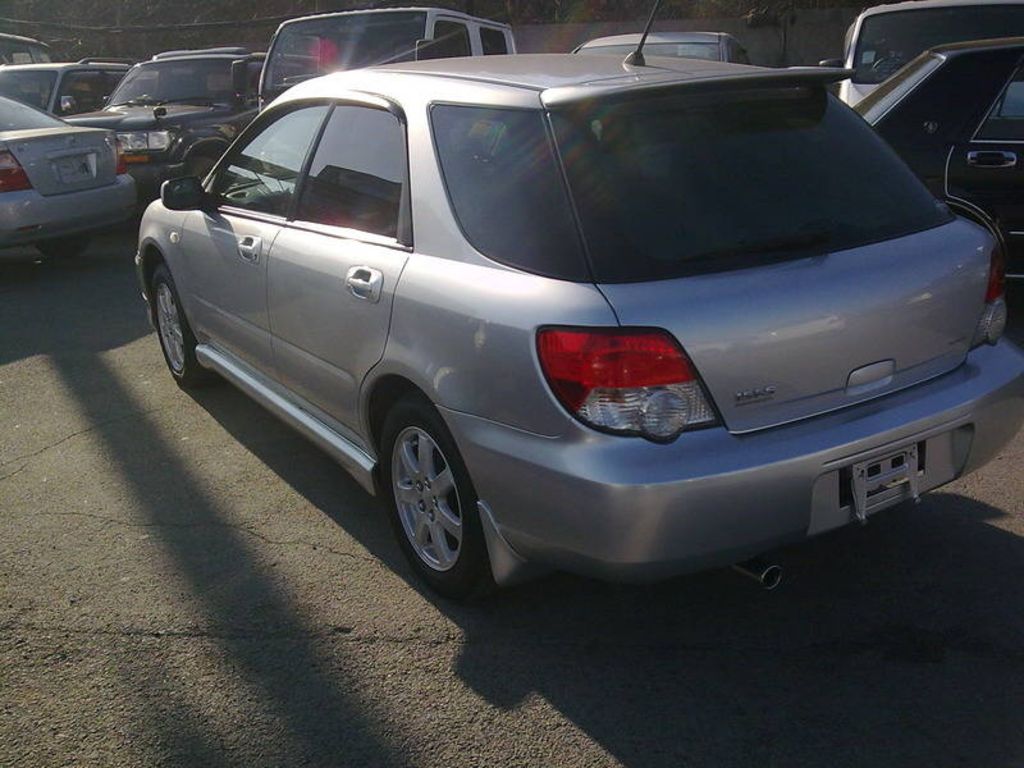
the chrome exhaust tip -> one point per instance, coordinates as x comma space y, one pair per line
768, 575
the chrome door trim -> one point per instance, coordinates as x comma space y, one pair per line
354, 459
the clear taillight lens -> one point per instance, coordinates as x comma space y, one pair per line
993, 318
12, 176
630, 382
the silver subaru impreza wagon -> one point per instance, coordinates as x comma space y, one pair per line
565, 312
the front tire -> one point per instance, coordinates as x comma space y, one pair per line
177, 341
432, 502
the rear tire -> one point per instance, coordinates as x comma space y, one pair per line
177, 341
63, 247
432, 502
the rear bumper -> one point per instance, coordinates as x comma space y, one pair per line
627, 509
28, 217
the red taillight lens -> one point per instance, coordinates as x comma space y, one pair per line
12, 176
996, 276
625, 381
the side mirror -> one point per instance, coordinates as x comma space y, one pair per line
834, 63
184, 194
428, 49
240, 78
68, 105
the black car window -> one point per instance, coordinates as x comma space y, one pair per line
493, 41
451, 40
82, 92
358, 172
30, 86
506, 190
689, 184
262, 173
1005, 121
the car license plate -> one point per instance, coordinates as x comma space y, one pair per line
875, 481
71, 170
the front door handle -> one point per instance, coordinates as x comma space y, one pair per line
250, 248
365, 283
992, 158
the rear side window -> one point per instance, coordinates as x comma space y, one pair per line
29, 86
506, 190
451, 40
262, 174
358, 172
493, 41
1005, 122
695, 184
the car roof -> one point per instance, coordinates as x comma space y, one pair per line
53, 66
657, 37
22, 39
406, 9
916, 5
969, 46
555, 77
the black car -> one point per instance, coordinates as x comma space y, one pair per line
176, 114
956, 115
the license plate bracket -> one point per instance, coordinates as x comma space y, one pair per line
71, 170
871, 480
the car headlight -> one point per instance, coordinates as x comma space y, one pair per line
144, 141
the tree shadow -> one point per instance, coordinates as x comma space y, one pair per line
893, 644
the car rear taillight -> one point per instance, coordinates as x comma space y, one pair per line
12, 176
626, 381
993, 318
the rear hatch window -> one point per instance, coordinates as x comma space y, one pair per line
686, 185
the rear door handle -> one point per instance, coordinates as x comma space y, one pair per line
365, 283
992, 158
250, 248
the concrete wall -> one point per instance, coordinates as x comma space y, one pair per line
805, 37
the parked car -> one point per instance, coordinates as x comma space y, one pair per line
15, 49
58, 183
885, 38
310, 46
564, 318
63, 89
713, 46
176, 113
956, 116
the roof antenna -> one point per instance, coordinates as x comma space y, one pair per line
636, 58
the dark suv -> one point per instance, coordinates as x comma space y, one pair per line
176, 113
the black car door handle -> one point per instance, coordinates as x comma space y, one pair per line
992, 158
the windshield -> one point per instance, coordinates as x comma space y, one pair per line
876, 104
191, 81
19, 52
30, 86
310, 48
708, 51
690, 184
16, 116
890, 40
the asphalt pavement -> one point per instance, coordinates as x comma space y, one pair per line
185, 582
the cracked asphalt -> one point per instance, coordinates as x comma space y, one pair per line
185, 582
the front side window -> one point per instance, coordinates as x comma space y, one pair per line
451, 40
358, 171
33, 87
1005, 121
888, 41
262, 174
82, 92
700, 183
192, 81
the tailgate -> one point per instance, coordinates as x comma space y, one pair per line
790, 340
66, 159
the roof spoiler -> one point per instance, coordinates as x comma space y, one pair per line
664, 80
229, 50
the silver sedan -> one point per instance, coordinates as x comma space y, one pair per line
58, 182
